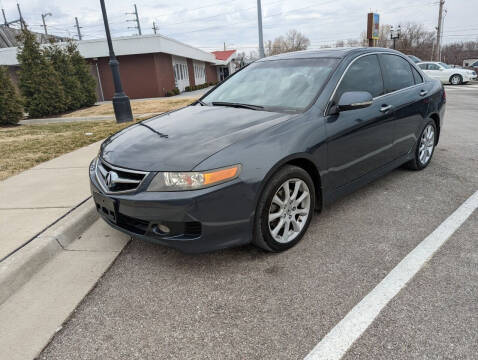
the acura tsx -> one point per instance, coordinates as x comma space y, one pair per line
256, 156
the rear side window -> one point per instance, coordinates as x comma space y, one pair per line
397, 73
433, 67
416, 75
423, 66
363, 75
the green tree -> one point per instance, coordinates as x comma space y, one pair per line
82, 73
39, 83
11, 110
61, 61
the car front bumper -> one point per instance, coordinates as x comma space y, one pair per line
200, 220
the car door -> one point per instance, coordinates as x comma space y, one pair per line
358, 140
407, 94
435, 71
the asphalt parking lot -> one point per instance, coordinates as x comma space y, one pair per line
157, 303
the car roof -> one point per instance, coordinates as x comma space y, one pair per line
328, 52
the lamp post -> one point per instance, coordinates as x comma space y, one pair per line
394, 35
121, 104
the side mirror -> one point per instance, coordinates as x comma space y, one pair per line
352, 100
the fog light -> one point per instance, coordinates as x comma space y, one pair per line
163, 229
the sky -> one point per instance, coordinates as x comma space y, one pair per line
208, 24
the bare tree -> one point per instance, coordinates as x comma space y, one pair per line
292, 41
339, 43
353, 42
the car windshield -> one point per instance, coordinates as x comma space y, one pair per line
446, 66
276, 85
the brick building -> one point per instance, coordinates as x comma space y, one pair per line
150, 65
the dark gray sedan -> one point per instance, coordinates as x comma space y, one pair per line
254, 157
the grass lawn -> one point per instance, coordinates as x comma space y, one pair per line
150, 106
25, 146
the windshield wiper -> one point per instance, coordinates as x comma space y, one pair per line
237, 105
202, 103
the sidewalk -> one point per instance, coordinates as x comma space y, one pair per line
34, 199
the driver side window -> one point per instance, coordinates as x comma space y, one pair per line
363, 75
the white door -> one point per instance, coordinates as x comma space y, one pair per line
199, 72
181, 75
436, 72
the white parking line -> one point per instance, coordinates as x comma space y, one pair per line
336, 343
461, 87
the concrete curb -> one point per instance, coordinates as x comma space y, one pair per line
19, 267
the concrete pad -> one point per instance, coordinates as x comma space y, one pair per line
100, 237
18, 226
33, 315
45, 188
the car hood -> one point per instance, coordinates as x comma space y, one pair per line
180, 140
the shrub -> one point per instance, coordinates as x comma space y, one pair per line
176, 91
187, 88
169, 93
61, 61
11, 110
39, 83
83, 75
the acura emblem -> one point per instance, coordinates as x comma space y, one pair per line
110, 179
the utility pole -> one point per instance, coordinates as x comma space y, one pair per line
138, 26
440, 21
43, 16
224, 46
19, 20
23, 25
5, 22
78, 29
155, 27
121, 103
259, 24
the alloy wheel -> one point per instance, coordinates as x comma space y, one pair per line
427, 142
455, 80
289, 210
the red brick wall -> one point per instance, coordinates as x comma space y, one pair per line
142, 76
164, 73
192, 80
211, 73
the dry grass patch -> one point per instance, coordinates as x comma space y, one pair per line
154, 106
23, 147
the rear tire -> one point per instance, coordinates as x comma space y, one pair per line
284, 210
424, 148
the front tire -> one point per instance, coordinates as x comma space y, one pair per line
456, 79
284, 210
425, 147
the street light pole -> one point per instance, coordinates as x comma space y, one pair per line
43, 16
121, 104
394, 35
259, 24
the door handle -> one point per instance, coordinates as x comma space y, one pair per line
385, 108
423, 92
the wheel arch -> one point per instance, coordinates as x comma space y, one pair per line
305, 162
436, 119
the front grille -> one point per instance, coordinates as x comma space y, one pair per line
116, 180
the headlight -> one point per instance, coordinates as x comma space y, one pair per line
178, 181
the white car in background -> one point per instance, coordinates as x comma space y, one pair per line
447, 74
